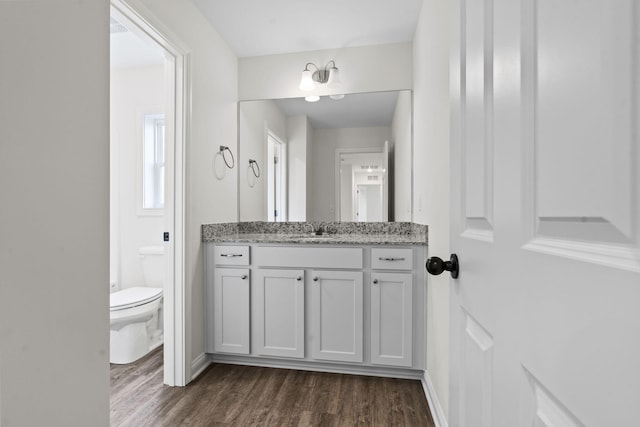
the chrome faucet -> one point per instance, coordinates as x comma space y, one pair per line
310, 224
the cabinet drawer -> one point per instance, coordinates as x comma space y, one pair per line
301, 257
391, 259
231, 255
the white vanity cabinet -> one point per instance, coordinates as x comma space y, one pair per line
343, 308
228, 292
278, 312
392, 319
392, 306
337, 311
231, 293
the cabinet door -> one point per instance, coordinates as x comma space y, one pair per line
231, 310
391, 319
279, 313
337, 305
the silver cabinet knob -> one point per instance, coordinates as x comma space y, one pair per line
299, 278
375, 281
243, 277
315, 279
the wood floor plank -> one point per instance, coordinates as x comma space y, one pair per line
234, 395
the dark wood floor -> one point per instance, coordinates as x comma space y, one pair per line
250, 396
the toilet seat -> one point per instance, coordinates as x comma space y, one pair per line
133, 297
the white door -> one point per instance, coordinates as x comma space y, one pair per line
392, 318
337, 310
545, 327
278, 305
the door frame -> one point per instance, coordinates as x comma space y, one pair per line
283, 201
384, 150
175, 303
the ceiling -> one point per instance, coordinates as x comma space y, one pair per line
355, 110
130, 50
296, 26
269, 27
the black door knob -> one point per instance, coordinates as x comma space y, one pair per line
436, 266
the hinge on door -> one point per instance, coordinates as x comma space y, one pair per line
275, 160
165, 236
275, 213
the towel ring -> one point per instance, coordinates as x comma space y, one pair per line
226, 162
253, 165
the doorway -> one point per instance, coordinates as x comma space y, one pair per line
369, 206
276, 178
160, 174
362, 184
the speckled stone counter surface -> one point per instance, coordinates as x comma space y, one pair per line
343, 233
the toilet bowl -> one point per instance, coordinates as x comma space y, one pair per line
136, 312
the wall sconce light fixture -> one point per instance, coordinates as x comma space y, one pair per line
329, 75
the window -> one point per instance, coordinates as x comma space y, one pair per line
153, 162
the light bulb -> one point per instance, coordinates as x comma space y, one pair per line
334, 78
312, 98
337, 97
306, 82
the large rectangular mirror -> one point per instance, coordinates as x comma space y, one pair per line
347, 159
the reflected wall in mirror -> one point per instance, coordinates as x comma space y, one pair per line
331, 160
362, 184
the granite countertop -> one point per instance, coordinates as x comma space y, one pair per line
379, 233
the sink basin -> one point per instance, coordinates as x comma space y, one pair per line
310, 236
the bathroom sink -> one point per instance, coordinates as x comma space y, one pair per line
311, 236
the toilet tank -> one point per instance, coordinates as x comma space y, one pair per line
153, 265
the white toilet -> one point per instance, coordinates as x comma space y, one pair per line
136, 312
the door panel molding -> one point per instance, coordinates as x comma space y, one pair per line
625, 258
476, 384
548, 411
477, 120
583, 122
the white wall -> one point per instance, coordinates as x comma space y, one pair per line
431, 175
325, 142
54, 214
362, 69
134, 92
401, 131
255, 118
213, 123
298, 130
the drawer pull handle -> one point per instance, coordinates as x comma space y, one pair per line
315, 279
243, 277
391, 259
375, 281
299, 278
230, 255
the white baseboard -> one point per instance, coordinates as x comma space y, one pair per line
305, 365
439, 418
199, 364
